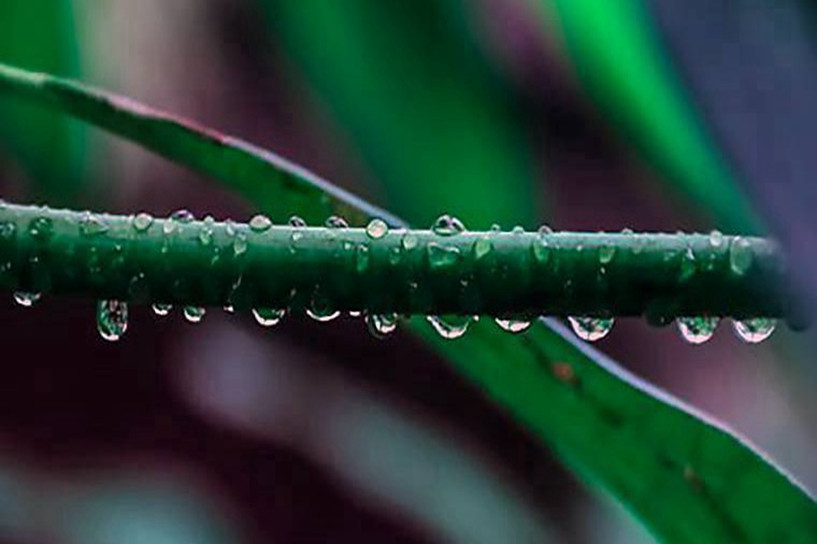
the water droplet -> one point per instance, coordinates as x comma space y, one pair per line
111, 319
697, 330
541, 247
627, 231
26, 300
142, 222
376, 229
409, 241
688, 265
518, 229
716, 238
161, 309
194, 314
355, 313
268, 317
296, 221
740, 256
206, 232
229, 308
591, 329
337, 222
513, 325
446, 225
754, 330
380, 326
321, 308
606, 254
183, 216
260, 223
442, 256
450, 327
482, 248
240, 244
41, 228
229, 227
362, 258
7, 230
394, 256
91, 225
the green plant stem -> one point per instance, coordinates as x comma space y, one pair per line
208, 263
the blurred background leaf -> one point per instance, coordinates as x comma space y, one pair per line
41, 35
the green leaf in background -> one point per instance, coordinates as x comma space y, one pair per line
41, 35
620, 61
687, 479
429, 118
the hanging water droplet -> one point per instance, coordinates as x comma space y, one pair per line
111, 319
336, 222
607, 253
321, 308
161, 309
409, 242
376, 229
194, 314
91, 225
740, 256
450, 327
380, 326
442, 256
591, 329
260, 223
446, 225
754, 330
142, 222
482, 248
716, 238
296, 221
513, 325
26, 300
697, 330
268, 317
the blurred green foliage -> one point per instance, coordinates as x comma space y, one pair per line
41, 35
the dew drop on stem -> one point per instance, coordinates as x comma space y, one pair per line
446, 225
377, 229
697, 330
161, 309
591, 329
194, 314
450, 327
336, 222
111, 319
268, 317
142, 222
260, 223
513, 325
25, 299
754, 330
381, 325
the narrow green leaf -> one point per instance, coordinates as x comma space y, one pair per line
41, 35
687, 479
620, 60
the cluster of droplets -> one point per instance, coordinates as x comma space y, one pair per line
112, 315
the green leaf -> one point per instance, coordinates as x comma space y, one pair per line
621, 63
41, 35
433, 124
687, 479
